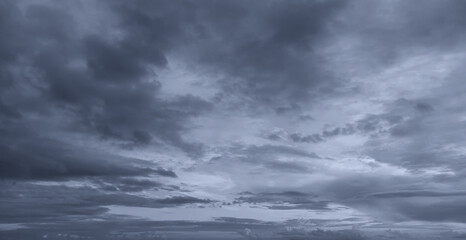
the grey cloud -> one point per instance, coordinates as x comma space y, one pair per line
165, 172
72, 72
275, 136
8, 111
305, 117
278, 149
29, 203
286, 109
48, 163
355, 187
116, 62
268, 156
38, 158
425, 129
285, 200
182, 200
296, 137
138, 229
127, 184
295, 197
401, 118
120, 227
379, 197
425, 208
424, 107
371, 124
274, 61
25, 202
403, 194
73, 211
321, 205
10, 47
406, 128
239, 220
110, 95
326, 234
135, 184
136, 201
290, 166
388, 35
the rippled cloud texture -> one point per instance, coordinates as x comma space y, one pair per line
316, 119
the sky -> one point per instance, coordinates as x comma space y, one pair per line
235, 119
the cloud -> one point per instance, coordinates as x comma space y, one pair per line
425, 208
139, 103
38, 158
325, 234
404, 194
41, 203
387, 32
272, 52
280, 158
277, 149
105, 85
284, 200
371, 124
420, 205
127, 184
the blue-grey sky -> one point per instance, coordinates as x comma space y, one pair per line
235, 119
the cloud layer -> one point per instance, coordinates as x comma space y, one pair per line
232, 119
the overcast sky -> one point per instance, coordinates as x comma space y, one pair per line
316, 119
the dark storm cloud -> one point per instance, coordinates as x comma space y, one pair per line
8, 112
29, 203
104, 83
78, 74
10, 47
23, 202
45, 162
270, 55
28, 156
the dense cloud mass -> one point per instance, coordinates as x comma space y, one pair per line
183, 119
